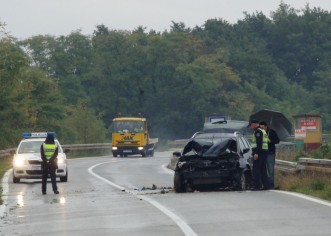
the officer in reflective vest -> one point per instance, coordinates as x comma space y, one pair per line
260, 152
49, 152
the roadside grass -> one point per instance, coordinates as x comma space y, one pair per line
309, 182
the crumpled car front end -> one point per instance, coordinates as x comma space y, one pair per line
207, 165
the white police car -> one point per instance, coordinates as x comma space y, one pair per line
27, 160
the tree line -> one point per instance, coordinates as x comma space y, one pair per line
76, 84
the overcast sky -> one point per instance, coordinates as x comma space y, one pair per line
26, 18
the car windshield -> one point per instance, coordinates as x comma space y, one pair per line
229, 126
209, 144
129, 126
33, 146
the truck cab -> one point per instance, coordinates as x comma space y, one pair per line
130, 136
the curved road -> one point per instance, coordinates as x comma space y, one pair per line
134, 196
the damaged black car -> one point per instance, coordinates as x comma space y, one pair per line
214, 161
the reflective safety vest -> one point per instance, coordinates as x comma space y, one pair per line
49, 150
264, 140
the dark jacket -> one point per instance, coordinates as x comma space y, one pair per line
273, 140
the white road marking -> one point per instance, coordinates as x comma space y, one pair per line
5, 190
167, 170
299, 195
181, 224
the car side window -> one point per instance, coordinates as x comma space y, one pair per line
233, 146
248, 145
242, 145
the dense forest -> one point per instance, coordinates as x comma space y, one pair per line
76, 84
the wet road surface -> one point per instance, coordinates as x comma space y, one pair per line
134, 196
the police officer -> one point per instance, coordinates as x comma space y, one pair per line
260, 152
273, 139
49, 152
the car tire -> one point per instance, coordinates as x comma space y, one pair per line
240, 181
16, 179
178, 183
65, 178
152, 153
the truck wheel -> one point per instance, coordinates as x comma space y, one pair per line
178, 183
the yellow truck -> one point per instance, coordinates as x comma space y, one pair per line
130, 136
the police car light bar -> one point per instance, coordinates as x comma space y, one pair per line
38, 135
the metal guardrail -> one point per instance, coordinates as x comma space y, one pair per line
87, 146
305, 164
10, 152
286, 166
7, 152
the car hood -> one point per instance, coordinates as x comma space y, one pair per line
30, 156
209, 150
35, 156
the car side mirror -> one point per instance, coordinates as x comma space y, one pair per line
176, 154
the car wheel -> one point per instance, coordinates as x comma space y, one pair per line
178, 183
240, 181
152, 153
65, 178
16, 179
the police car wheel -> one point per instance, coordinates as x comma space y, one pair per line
65, 178
15, 179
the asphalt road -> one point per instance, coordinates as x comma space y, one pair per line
134, 196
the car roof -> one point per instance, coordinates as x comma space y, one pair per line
35, 140
201, 135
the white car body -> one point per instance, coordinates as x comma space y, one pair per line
27, 161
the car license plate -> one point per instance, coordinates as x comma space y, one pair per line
35, 167
127, 151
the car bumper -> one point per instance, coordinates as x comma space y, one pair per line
209, 176
34, 171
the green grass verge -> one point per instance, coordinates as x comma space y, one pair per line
5, 164
310, 183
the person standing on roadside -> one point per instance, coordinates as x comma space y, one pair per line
49, 151
273, 139
260, 151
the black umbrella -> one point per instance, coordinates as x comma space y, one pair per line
276, 121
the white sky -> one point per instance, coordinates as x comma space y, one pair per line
26, 18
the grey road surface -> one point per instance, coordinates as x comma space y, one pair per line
134, 196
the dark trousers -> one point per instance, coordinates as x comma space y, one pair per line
260, 173
48, 169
